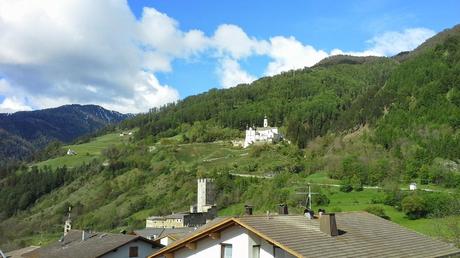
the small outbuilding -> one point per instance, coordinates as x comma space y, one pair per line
71, 152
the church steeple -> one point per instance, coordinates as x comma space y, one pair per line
265, 121
68, 223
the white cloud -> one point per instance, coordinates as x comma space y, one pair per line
11, 105
4, 86
288, 53
231, 74
161, 35
393, 42
81, 51
231, 40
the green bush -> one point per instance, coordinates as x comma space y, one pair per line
378, 211
320, 199
414, 206
356, 183
346, 187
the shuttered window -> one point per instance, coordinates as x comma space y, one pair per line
133, 251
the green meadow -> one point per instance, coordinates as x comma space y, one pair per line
85, 152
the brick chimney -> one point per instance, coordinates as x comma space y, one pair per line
328, 225
283, 209
248, 209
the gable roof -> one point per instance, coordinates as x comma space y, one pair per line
179, 215
362, 234
19, 252
161, 232
96, 245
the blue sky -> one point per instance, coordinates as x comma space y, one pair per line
131, 56
324, 24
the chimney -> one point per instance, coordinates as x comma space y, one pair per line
193, 209
328, 225
283, 209
248, 209
85, 235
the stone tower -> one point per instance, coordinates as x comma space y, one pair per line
265, 121
68, 223
206, 194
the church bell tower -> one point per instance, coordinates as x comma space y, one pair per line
265, 121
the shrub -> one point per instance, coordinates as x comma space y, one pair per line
356, 183
321, 199
346, 187
378, 211
414, 206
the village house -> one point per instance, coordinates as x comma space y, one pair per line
164, 236
204, 210
265, 134
87, 244
83, 244
346, 234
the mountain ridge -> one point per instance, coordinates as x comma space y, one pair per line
64, 123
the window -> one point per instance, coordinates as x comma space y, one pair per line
256, 251
278, 252
226, 251
133, 251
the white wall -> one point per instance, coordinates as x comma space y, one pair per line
241, 240
144, 249
166, 241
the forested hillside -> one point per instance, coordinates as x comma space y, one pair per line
24, 133
308, 102
352, 121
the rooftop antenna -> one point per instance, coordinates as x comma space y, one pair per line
308, 196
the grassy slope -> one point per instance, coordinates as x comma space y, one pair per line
121, 192
85, 152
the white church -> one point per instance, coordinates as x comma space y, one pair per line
264, 134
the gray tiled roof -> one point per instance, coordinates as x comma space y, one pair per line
160, 232
180, 215
19, 252
362, 235
96, 245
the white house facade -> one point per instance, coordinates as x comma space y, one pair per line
132, 249
233, 242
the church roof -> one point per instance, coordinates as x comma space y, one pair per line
265, 128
